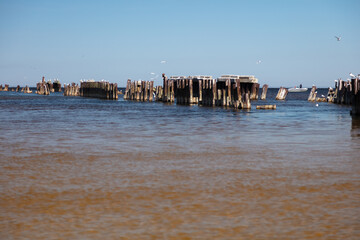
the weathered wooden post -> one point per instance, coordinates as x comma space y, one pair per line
165, 88
172, 91
190, 100
127, 90
239, 102
27, 89
264, 91
312, 95
151, 91
330, 95
200, 90
266, 107
355, 107
246, 102
348, 93
228, 97
254, 95
6, 88
282, 93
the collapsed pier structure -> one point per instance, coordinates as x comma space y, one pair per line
344, 92
102, 89
228, 90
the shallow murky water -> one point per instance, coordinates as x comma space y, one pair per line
78, 168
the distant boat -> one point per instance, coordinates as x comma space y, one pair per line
297, 89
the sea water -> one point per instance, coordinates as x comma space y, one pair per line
83, 168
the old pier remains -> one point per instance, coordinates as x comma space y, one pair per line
26, 89
5, 89
99, 89
227, 91
71, 89
42, 88
139, 91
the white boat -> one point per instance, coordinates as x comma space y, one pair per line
297, 89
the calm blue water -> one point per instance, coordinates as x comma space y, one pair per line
296, 167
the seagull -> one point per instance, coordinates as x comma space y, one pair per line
163, 61
338, 38
352, 75
322, 95
152, 73
258, 62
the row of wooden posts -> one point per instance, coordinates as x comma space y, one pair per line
225, 91
204, 90
45, 88
345, 92
25, 89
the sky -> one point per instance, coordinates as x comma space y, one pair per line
282, 43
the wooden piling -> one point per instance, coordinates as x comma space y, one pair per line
282, 93
127, 90
26, 89
273, 107
151, 91
159, 93
71, 90
254, 95
355, 107
312, 95
264, 91
139, 90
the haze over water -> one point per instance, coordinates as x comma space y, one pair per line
81, 168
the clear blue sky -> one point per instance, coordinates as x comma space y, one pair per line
117, 40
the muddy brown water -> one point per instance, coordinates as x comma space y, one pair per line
78, 168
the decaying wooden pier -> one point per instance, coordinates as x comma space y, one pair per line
5, 89
71, 89
102, 89
342, 93
139, 90
42, 88
54, 86
228, 91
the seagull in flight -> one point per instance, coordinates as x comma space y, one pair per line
163, 61
352, 75
258, 62
338, 38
